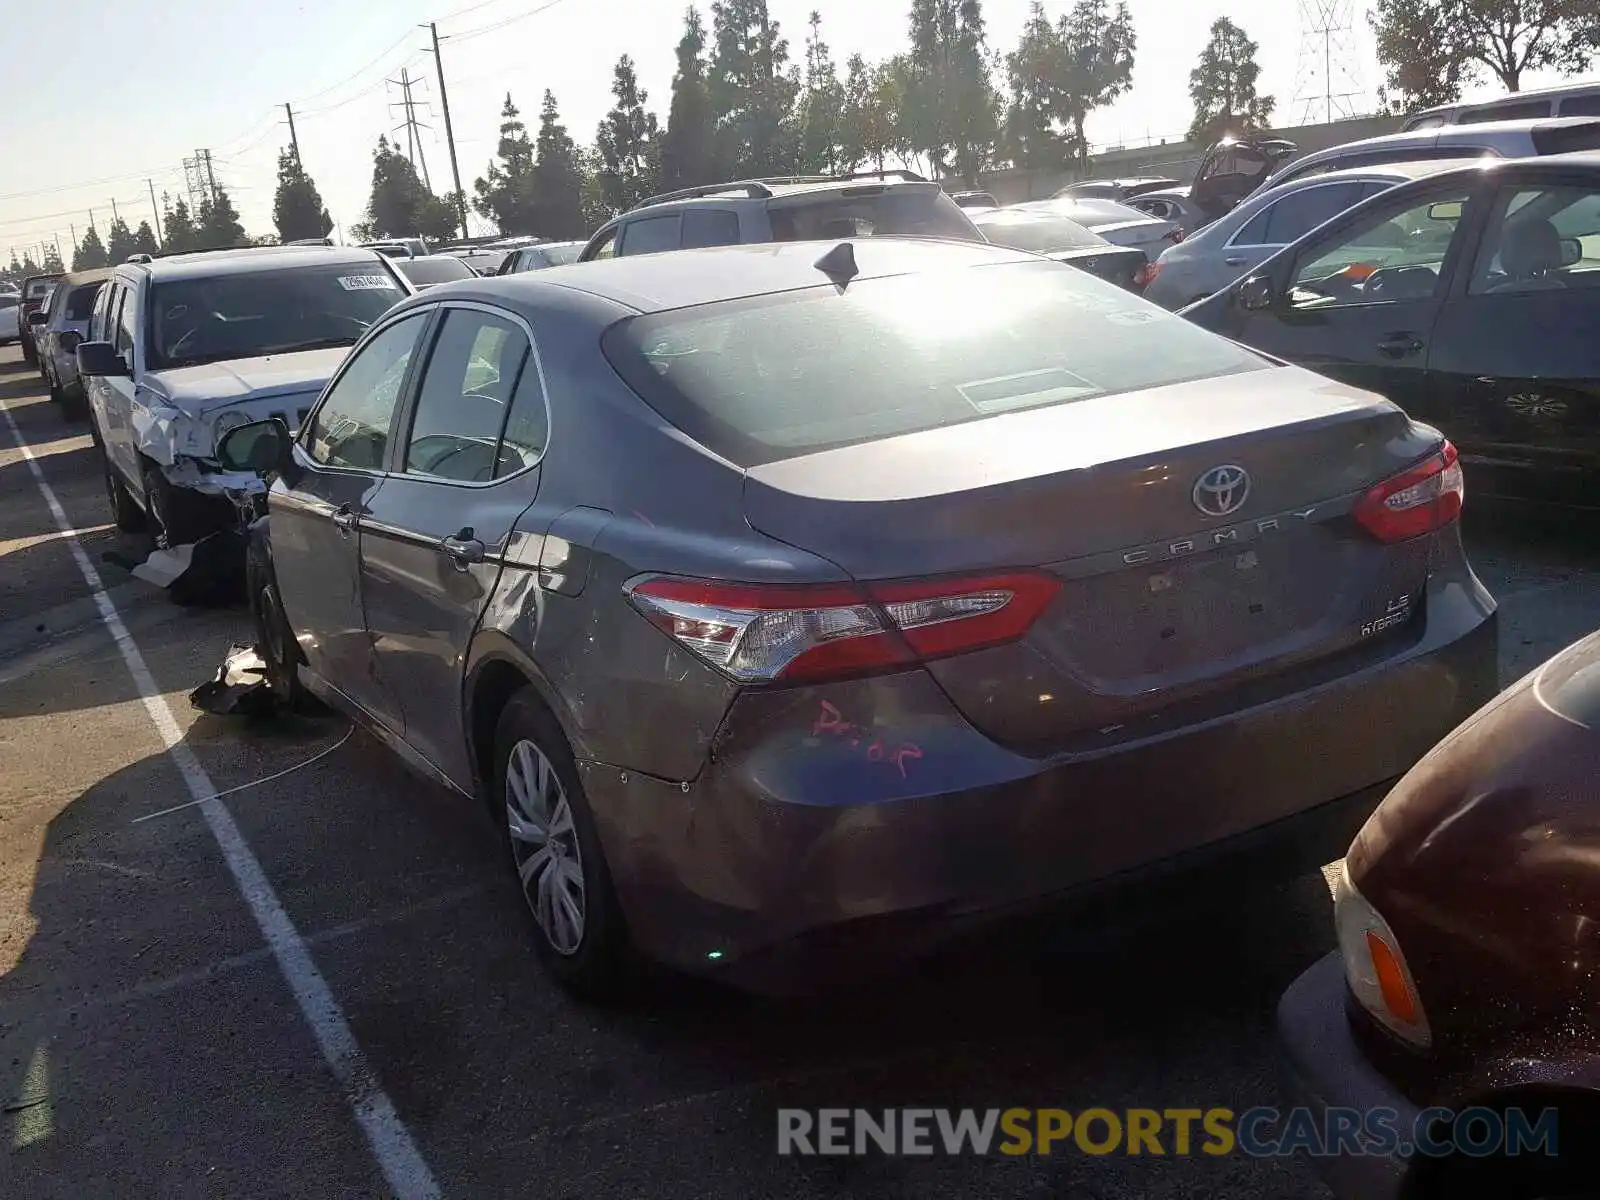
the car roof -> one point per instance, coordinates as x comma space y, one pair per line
207, 264
1557, 92
687, 278
79, 278
1413, 168
1445, 136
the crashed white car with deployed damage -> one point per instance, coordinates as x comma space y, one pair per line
184, 348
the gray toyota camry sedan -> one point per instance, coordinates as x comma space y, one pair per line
793, 604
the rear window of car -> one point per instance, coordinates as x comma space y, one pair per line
871, 210
80, 304
764, 379
1036, 234
1562, 139
443, 269
558, 256
40, 287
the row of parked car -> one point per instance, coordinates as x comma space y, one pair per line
743, 587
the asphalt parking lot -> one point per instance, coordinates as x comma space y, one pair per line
152, 1043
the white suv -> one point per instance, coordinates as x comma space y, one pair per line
183, 349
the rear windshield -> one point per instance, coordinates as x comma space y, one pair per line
250, 313
778, 377
875, 209
434, 270
1038, 235
559, 256
40, 287
80, 304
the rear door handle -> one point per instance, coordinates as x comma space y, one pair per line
1400, 345
344, 519
464, 549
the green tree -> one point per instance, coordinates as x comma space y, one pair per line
627, 144
1036, 72
14, 271
52, 259
119, 242
1223, 86
400, 205
504, 193
180, 235
217, 223
952, 112
822, 108
1097, 44
596, 212
297, 208
869, 129
29, 267
557, 178
688, 155
752, 89
1431, 49
144, 239
90, 252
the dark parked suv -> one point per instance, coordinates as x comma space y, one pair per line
803, 606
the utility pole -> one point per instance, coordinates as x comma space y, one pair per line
114, 217
413, 127
294, 141
211, 175
155, 210
449, 134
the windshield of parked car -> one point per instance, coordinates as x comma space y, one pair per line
762, 379
40, 287
437, 269
246, 314
871, 210
1039, 234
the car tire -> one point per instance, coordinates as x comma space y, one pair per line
176, 518
536, 793
125, 511
275, 640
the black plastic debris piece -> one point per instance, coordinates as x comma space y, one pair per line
240, 687
204, 574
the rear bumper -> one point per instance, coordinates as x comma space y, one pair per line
835, 823
1322, 1067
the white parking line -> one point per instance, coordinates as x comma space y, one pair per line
397, 1154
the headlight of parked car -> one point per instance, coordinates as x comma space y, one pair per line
1375, 966
225, 424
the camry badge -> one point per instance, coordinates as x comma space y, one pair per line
1222, 491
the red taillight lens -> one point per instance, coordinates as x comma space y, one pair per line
1146, 274
1418, 500
758, 633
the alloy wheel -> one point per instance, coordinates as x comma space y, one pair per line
544, 842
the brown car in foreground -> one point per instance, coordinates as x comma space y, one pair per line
1469, 933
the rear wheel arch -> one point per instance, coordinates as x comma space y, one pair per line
498, 671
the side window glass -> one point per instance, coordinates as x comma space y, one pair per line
710, 227
1581, 106
1299, 214
127, 315
1540, 240
528, 426
97, 319
651, 235
1388, 256
607, 248
465, 394
351, 426
1255, 231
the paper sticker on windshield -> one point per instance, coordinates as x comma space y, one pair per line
367, 283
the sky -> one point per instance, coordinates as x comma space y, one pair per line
184, 75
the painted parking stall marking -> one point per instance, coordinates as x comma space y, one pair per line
391, 1143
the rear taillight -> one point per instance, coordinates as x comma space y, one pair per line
1175, 236
1418, 500
1145, 275
758, 633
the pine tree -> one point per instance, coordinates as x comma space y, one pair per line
821, 108
119, 242
90, 252
557, 178
180, 236
52, 260
628, 143
217, 223
688, 154
752, 89
1223, 86
297, 209
953, 110
144, 239
1036, 71
505, 192
29, 267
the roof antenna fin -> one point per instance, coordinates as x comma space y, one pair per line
839, 264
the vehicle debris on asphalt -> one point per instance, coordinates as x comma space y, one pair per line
200, 574
239, 688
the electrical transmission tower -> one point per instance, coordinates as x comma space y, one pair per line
1327, 79
201, 179
411, 125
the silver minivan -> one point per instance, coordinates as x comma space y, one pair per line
1570, 100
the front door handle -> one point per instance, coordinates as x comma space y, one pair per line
464, 549
344, 519
1400, 345
1235, 261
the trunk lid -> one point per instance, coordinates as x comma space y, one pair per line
1162, 603
1118, 264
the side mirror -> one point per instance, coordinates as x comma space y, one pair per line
1571, 252
38, 317
1255, 293
100, 360
261, 446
